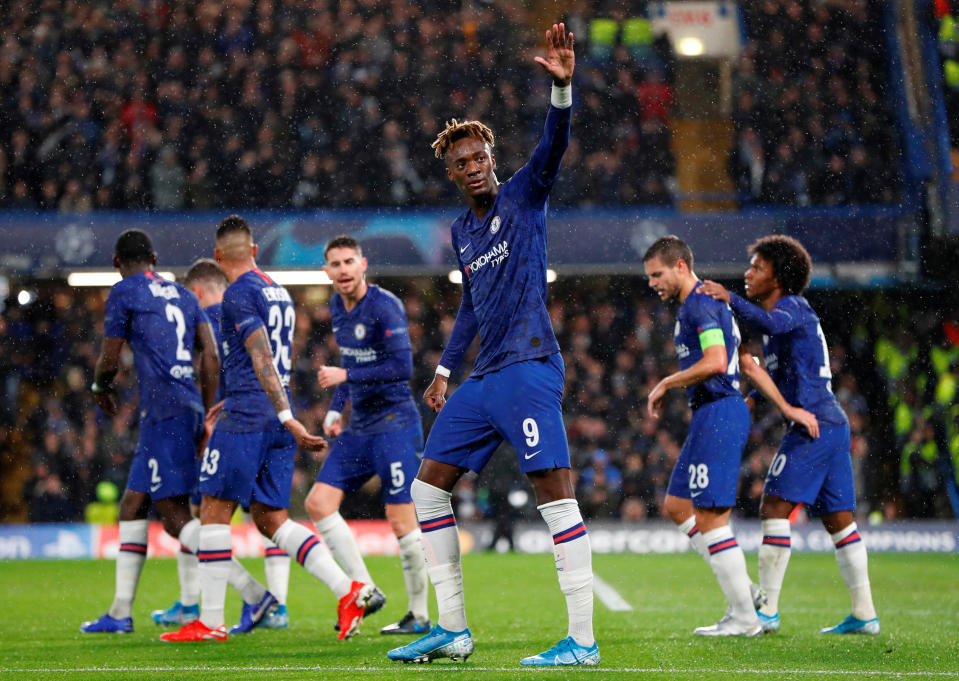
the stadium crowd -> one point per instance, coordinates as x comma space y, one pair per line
811, 114
56, 447
181, 105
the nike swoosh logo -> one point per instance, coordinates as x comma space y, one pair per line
530, 456
396, 491
693, 495
203, 479
154, 488
463, 250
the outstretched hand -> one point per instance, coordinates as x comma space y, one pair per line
560, 59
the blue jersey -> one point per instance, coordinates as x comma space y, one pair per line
251, 302
503, 261
215, 313
375, 350
796, 354
158, 318
703, 322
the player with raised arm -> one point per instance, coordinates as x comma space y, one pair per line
167, 330
249, 458
384, 437
707, 472
809, 470
516, 389
208, 283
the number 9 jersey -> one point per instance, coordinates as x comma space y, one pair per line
253, 301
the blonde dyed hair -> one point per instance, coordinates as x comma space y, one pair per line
455, 131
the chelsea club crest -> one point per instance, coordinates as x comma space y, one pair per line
494, 225
359, 331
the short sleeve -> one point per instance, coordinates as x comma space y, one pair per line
240, 312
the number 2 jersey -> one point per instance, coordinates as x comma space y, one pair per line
503, 261
158, 318
374, 342
252, 302
701, 323
795, 353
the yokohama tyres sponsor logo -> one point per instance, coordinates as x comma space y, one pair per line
492, 257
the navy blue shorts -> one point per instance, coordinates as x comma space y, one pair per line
394, 456
164, 463
248, 467
815, 472
520, 403
707, 471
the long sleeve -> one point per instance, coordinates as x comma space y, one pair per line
397, 367
546, 159
340, 395
771, 323
464, 330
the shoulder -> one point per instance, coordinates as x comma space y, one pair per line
794, 306
387, 298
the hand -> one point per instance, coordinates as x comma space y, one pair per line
805, 419
106, 402
308, 441
332, 427
435, 395
717, 291
560, 58
654, 403
330, 377
209, 423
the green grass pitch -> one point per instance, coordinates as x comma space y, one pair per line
515, 609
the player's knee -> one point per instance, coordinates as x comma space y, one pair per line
677, 510
318, 505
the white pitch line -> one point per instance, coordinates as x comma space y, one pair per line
609, 596
468, 668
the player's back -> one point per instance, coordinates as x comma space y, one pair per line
375, 334
798, 361
159, 319
249, 303
702, 320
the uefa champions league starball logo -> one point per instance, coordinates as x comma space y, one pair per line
494, 225
359, 331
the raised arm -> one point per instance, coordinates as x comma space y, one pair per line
771, 323
559, 63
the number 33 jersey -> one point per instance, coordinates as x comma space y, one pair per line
251, 302
158, 318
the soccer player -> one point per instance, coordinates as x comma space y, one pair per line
166, 330
249, 458
706, 473
813, 471
385, 436
208, 283
516, 388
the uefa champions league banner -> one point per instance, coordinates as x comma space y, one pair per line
374, 537
418, 241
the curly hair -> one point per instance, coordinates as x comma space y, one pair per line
789, 259
455, 131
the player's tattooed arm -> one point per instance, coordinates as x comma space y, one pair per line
108, 364
765, 384
208, 363
261, 353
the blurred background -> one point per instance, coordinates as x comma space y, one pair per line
835, 121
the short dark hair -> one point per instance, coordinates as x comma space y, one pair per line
789, 260
670, 249
205, 270
342, 241
231, 224
134, 246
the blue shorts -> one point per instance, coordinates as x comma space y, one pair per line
394, 456
248, 467
520, 403
816, 472
164, 463
707, 471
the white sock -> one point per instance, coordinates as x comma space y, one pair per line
691, 530
130, 559
729, 565
187, 566
277, 567
441, 549
215, 555
239, 577
342, 544
298, 541
774, 555
574, 565
414, 572
854, 568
